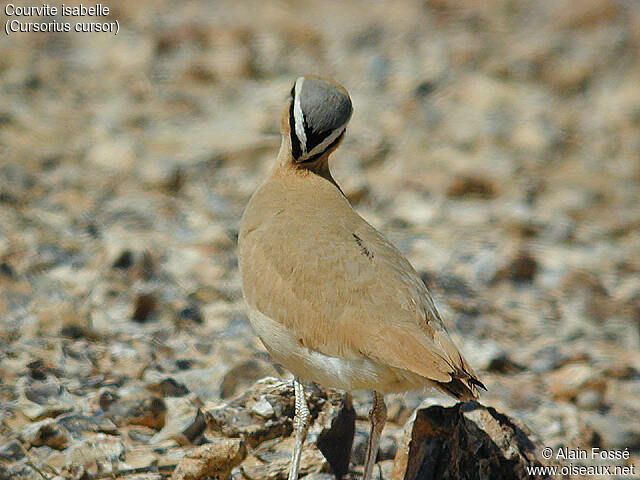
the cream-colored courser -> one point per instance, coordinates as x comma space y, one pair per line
331, 299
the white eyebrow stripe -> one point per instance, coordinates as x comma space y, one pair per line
298, 116
326, 142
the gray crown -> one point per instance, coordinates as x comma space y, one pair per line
320, 111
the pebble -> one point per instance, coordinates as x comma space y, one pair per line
138, 406
46, 399
589, 399
11, 451
214, 460
184, 421
113, 155
570, 380
263, 408
103, 450
46, 432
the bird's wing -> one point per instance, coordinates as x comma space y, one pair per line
347, 292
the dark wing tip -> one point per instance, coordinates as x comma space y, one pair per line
463, 386
477, 383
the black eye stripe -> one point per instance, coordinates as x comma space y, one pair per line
313, 138
319, 154
296, 151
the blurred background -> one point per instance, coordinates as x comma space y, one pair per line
497, 144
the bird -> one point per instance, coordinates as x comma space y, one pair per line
331, 299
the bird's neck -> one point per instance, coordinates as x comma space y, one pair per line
320, 167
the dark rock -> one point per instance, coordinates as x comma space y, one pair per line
502, 363
184, 364
144, 307
523, 268
37, 369
449, 284
459, 294
7, 271
74, 332
425, 88
467, 441
176, 180
41, 394
191, 313
335, 441
169, 387
147, 266
124, 260
468, 186
106, 398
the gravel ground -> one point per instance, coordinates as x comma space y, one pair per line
497, 144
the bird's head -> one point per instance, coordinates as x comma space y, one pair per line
315, 119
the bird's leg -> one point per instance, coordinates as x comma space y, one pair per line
378, 416
301, 422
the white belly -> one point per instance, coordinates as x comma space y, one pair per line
333, 372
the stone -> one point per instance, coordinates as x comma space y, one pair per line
46, 432
523, 268
263, 408
213, 461
11, 451
471, 186
336, 430
168, 387
589, 399
138, 407
203, 382
46, 399
237, 418
574, 378
466, 441
78, 424
243, 375
115, 155
21, 470
102, 451
144, 307
184, 421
